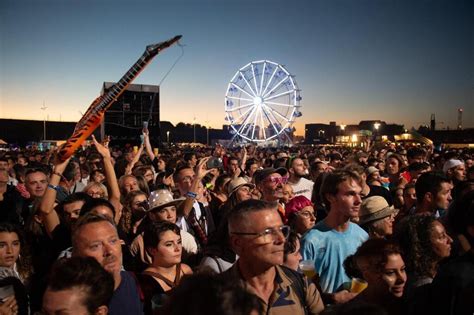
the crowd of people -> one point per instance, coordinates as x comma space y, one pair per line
215, 230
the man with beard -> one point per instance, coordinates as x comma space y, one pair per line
269, 182
96, 236
334, 238
297, 180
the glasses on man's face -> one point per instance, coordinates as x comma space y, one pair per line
268, 235
277, 180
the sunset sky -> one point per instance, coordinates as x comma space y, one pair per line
394, 60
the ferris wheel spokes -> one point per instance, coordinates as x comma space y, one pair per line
263, 125
263, 76
278, 95
268, 117
254, 126
279, 104
243, 106
247, 82
274, 111
270, 81
254, 79
240, 98
244, 122
245, 113
242, 90
276, 86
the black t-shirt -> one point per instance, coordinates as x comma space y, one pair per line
61, 238
380, 191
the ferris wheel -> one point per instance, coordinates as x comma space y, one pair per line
262, 102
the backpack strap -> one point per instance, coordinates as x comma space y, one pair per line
298, 283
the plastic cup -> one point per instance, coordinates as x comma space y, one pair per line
308, 268
358, 285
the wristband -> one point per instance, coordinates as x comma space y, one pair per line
53, 187
56, 173
191, 194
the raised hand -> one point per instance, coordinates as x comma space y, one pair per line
102, 149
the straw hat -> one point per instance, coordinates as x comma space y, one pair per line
237, 183
162, 198
374, 208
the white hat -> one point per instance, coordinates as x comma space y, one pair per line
449, 164
162, 198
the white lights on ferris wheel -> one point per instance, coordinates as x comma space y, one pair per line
262, 101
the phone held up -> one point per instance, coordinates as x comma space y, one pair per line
214, 162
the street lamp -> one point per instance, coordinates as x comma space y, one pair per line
376, 126
44, 121
168, 137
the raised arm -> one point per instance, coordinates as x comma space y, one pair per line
244, 158
110, 176
49, 216
128, 169
146, 141
200, 173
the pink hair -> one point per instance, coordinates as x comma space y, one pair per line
296, 205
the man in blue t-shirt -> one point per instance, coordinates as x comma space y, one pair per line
330, 241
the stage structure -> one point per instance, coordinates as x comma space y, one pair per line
262, 102
123, 121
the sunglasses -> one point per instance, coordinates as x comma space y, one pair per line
277, 180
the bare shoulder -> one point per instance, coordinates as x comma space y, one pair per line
186, 269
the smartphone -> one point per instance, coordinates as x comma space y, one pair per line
214, 162
168, 172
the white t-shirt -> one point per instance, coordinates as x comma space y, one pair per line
303, 187
181, 221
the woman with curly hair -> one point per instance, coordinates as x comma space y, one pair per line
425, 244
134, 210
379, 262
